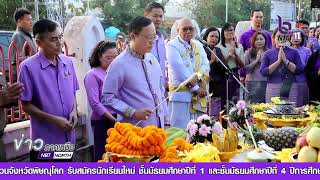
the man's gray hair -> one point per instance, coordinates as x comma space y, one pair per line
174, 32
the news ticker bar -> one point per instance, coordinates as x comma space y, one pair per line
262, 171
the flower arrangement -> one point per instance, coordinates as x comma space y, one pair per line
201, 130
239, 113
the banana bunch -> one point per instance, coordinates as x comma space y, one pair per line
174, 133
228, 142
201, 152
262, 106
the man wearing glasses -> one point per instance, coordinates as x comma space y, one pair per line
186, 57
132, 87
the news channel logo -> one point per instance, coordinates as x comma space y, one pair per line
287, 34
46, 151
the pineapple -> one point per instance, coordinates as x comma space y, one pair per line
278, 139
281, 138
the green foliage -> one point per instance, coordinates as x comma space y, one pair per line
256, 132
120, 12
77, 11
306, 12
6, 14
8, 7
212, 12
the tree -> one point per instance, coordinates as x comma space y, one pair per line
6, 14
76, 7
212, 12
119, 12
306, 12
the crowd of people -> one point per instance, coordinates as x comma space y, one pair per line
152, 82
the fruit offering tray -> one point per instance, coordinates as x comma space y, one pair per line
260, 107
285, 120
235, 156
273, 114
286, 110
114, 157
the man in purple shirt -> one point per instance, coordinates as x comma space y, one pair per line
256, 18
132, 87
50, 84
256, 25
155, 11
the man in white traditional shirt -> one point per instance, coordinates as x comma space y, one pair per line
186, 57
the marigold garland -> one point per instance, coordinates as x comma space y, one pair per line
171, 153
128, 139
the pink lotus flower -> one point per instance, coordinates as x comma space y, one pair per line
232, 110
251, 121
217, 128
233, 125
241, 104
202, 118
240, 112
204, 130
193, 129
191, 122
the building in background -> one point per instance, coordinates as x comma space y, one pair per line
283, 8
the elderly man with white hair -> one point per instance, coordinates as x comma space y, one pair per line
186, 58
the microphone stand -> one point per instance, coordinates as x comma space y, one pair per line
228, 72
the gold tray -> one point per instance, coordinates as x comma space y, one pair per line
276, 122
286, 155
227, 156
262, 106
294, 157
114, 157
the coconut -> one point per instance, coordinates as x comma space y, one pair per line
259, 155
313, 137
308, 154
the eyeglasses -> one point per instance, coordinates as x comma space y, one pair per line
150, 37
185, 29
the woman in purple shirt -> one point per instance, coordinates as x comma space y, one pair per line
281, 65
101, 118
312, 71
256, 83
304, 53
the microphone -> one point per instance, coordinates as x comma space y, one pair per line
201, 41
